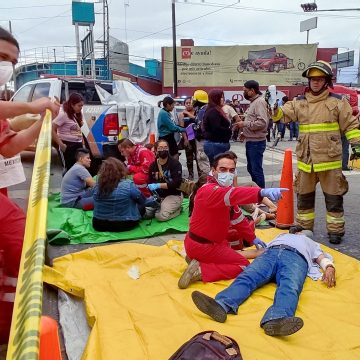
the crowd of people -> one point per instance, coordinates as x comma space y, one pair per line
148, 184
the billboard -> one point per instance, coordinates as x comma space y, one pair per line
222, 66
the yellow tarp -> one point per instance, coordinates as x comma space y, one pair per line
150, 318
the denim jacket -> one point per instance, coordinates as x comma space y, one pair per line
121, 204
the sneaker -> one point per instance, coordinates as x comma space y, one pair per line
149, 213
190, 275
209, 306
347, 168
284, 326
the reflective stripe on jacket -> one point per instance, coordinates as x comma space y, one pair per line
321, 119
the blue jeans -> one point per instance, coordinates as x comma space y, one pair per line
345, 151
214, 148
294, 129
281, 129
254, 155
282, 266
85, 200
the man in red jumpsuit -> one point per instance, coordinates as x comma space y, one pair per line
139, 159
206, 242
12, 218
241, 229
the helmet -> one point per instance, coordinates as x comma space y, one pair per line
318, 68
201, 96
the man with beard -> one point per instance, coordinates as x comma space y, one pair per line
254, 129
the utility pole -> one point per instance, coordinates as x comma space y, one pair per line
311, 7
14, 74
175, 80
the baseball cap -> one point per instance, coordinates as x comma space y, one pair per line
253, 84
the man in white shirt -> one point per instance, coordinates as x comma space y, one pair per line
287, 260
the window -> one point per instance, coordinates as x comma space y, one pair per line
23, 94
87, 70
40, 90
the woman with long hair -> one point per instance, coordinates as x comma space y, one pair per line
66, 130
116, 199
216, 126
186, 121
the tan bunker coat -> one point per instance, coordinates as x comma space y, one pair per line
321, 119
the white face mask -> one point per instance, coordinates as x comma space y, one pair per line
225, 178
6, 71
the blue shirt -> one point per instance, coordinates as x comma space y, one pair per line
73, 183
165, 125
121, 204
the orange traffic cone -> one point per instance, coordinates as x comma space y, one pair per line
285, 206
49, 339
152, 138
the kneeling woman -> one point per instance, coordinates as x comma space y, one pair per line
116, 199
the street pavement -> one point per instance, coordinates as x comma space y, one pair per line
273, 159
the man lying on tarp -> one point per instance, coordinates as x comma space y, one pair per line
287, 260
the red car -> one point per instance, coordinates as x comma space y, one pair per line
271, 62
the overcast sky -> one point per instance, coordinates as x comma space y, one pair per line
146, 24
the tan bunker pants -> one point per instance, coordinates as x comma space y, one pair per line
334, 185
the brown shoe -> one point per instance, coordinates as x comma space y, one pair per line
209, 306
190, 275
284, 326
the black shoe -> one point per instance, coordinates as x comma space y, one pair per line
347, 168
335, 238
283, 327
209, 306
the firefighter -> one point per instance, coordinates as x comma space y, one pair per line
322, 116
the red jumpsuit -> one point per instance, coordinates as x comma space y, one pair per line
210, 223
241, 229
12, 227
138, 165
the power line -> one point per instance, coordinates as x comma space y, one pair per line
278, 11
185, 22
43, 22
33, 6
34, 18
183, 35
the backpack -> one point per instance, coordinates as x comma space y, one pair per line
208, 345
197, 126
186, 186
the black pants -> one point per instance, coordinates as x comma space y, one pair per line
113, 226
190, 152
68, 157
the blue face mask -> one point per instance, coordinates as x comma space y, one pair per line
225, 179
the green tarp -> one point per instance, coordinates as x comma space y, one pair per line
76, 226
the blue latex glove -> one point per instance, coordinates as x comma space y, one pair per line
153, 187
259, 243
273, 193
